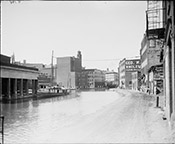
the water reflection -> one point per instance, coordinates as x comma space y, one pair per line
32, 121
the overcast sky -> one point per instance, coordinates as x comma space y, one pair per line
103, 31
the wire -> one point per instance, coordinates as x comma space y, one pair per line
110, 59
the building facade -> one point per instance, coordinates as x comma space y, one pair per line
136, 82
17, 81
69, 71
93, 78
168, 60
111, 79
126, 68
121, 71
152, 40
149, 55
158, 49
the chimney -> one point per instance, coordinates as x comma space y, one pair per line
24, 61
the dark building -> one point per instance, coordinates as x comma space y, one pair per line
16, 80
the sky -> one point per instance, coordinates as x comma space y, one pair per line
104, 31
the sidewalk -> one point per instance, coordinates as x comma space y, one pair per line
158, 116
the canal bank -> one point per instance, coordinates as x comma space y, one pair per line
39, 95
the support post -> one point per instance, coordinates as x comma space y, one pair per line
9, 88
21, 87
157, 101
2, 126
27, 87
15, 87
36, 86
33, 87
0, 87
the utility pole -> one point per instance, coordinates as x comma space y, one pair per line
52, 69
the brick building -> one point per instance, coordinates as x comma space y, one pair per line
152, 41
93, 78
149, 55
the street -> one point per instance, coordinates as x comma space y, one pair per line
116, 116
126, 120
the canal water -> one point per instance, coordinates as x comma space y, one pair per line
34, 121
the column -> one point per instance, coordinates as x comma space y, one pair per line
15, 87
21, 87
36, 86
27, 87
0, 87
9, 88
33, 87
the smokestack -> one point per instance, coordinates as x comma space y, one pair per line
24, 61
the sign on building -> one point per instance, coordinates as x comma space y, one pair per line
132, 65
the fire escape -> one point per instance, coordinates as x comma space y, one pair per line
155, 21
155, 33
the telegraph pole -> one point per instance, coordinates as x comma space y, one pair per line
52, 69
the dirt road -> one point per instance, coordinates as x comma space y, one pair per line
132, 118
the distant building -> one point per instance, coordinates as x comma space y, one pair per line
111, 79
136, 82
45, 78
17, 80
126, 68
93, 78
69, 71
39, 66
